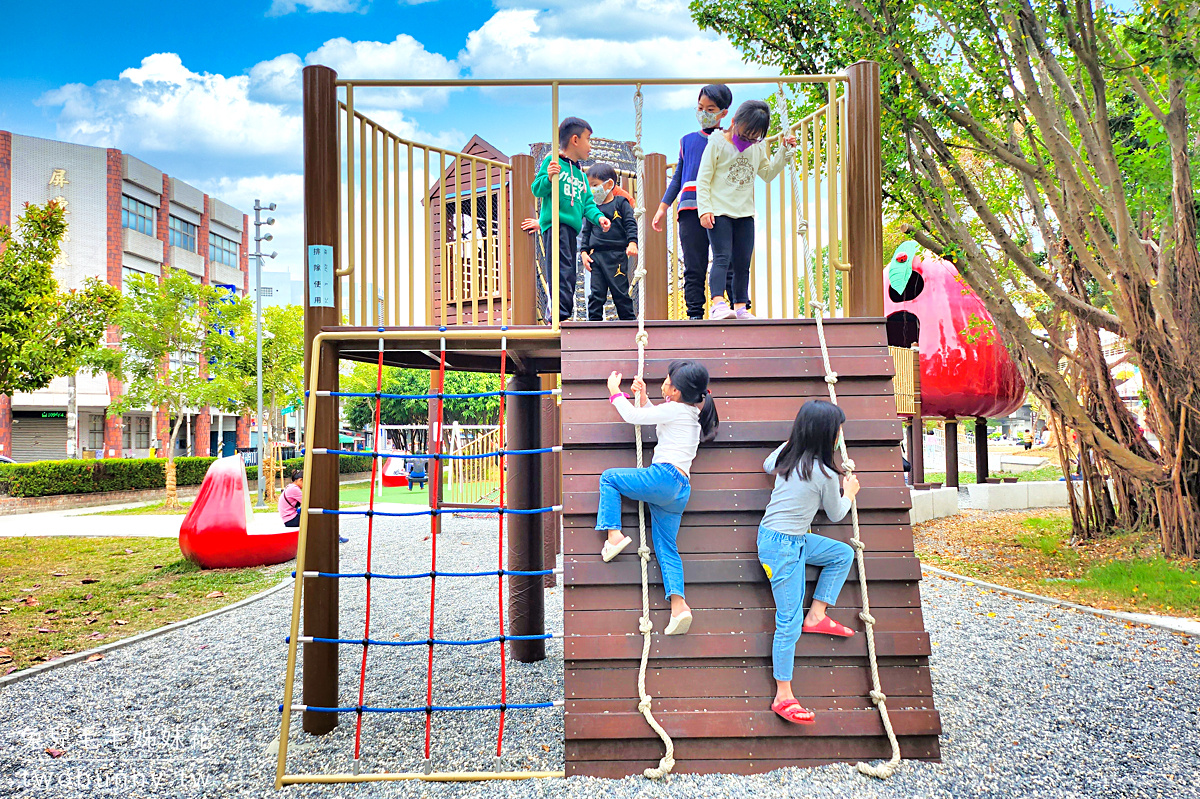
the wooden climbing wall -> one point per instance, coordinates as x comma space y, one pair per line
712, 687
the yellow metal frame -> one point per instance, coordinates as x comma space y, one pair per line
462, 334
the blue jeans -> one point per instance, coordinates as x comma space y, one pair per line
783, 558
665, 490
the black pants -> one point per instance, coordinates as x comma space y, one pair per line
293, 522
732, 243
610, 273
567, 236
693, 240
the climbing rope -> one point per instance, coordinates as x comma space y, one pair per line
644, 624
884, 770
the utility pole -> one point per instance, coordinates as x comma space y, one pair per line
259, 238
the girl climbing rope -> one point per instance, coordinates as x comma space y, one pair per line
805, 482
683, 420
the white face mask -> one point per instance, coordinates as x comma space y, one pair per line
599, 192
707, 119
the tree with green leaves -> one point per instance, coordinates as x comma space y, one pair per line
46, 333
168, 329
1046, 149
234, 361
360, 411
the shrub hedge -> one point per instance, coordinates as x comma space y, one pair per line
47, 478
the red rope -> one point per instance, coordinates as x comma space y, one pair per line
362, 669
435, 527
500, 560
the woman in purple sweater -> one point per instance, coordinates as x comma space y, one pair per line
711, 107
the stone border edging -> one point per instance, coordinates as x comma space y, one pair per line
1133, 618
41, 668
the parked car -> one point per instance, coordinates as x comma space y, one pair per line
4, 459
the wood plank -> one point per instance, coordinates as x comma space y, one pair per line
809, 367
728, 518
741, 409
733, 481
726, 459
733, 645
773, 386
672, 683
583, 337
754, 499
692, 749
620, 597
695, 540
751, 724
856, 431
700, 570
722, 620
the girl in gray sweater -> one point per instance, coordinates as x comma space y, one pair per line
806, 481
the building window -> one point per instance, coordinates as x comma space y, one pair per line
126, 432
136, 215
96, 432
183, 234
222, 250
142, 432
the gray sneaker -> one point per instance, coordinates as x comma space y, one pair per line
742, 313
719, 309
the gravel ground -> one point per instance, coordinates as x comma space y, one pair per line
1035, 702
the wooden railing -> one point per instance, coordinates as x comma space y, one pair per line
475, 481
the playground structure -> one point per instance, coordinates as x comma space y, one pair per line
712, 686
943, 336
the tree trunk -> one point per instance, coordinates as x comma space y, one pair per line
72, 418
172, 501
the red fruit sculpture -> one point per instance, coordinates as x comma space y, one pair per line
215, 533
965, 370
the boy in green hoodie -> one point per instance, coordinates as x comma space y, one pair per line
575, 203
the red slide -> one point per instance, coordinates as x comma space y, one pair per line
215, 533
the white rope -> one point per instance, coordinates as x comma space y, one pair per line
644, 624
884, 770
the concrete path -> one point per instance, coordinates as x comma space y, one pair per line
82, 522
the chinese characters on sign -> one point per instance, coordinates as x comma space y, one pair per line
320, 276
58, 180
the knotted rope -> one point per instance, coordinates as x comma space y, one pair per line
642, 338
884, 770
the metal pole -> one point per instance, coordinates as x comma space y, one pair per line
258, 343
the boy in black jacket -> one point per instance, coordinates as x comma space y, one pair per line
606, 253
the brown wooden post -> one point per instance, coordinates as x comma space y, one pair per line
655, 256
526, 595
321, 185
864, 191
524, 250
916, 452
982, 468
952, 453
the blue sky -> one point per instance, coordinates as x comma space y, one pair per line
210, 92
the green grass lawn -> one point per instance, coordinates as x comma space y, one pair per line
63, 595
965, 477
359, 494
158, 509
1034, 552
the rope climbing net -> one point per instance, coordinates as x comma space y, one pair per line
820, 308
435, 511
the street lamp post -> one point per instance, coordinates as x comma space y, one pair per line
259, 238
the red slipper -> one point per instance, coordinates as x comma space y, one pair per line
790, 710
828, 626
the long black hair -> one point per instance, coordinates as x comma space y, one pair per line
814, 435
691, 379
752, 119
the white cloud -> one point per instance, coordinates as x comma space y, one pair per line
281, 7
613, 19
161, 106
523, 42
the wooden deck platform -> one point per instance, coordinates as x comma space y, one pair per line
713, 687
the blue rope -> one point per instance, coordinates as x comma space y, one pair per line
444, 457
431, 512
431, 641
445, 396
377, 576
431, 708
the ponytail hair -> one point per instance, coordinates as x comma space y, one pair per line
814, 435
691, 379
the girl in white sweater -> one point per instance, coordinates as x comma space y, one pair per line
725, 201
685, 418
